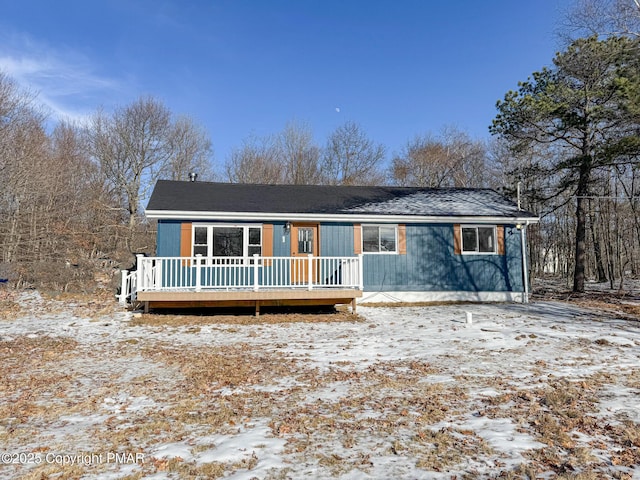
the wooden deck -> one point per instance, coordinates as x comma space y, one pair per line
256, 281
256, 300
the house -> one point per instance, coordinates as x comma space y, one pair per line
242, 244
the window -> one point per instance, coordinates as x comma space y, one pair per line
305, 240
254, 244
200, 241
227, 240
478, 239
379, 239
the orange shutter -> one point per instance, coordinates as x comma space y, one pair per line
457, 239
357, 238
267, 242
185, 240
500, 240
402, 239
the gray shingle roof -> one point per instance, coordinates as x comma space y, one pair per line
174, 196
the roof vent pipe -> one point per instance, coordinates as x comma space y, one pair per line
193, 176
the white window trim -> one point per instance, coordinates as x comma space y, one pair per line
245, 235
393, 225
495, 239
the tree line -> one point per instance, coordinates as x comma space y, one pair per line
71, 196
573, 134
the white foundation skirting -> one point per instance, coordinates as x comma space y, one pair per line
414, 297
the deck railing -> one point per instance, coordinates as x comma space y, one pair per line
255, 273
127, 293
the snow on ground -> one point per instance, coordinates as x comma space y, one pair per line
548, 389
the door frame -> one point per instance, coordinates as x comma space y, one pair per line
300, 274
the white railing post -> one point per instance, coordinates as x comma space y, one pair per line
256, 284
122, 298
139, 273
157, 278
310, 271
198, 272
130, 284
360, 272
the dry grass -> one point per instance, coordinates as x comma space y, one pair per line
338, 418
9, 306
43, 472
620, 303
554, 414
209, 369
9, 309
97, 296
31, 386
382, 400
615, 305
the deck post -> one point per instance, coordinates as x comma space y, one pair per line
122, 298
310, 271
255, 278
198, 272
360, 273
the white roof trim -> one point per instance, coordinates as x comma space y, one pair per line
340, 217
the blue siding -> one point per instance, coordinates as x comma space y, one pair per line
513, 257
168, 238
431, 265
336, 240
281, 248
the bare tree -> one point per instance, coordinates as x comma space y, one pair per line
140, 143
289, 157
351, 158
256, 161
50, 213
132, 149
68, 197
23, 145
602, 18
191, 151
298, 154
86, 211
451, 160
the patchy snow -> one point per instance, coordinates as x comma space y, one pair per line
445, 202
510, 361
256, 441
500, 433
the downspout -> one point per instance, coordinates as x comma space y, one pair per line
523, 248
525, 273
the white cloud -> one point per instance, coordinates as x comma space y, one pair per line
66, 81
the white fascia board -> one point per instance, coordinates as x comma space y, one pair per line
342, 217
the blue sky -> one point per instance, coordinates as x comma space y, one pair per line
398, 68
